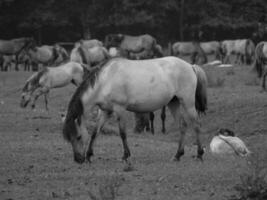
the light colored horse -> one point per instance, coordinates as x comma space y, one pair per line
192, 49
141, 118
91, 43
212, 48
15, 46
89, 56
243, 49
48, 55
138, 86
41, 82
260, 64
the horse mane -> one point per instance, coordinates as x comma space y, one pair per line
81, 52
34, 80
75, 107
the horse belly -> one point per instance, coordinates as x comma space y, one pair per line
60, 79
148, 96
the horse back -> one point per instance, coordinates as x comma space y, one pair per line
137, 43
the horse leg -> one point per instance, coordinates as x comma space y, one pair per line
263, 81
237, 58
46, 101
174, 107
16, 62
102, 118
193, 58
152, 116
163, 117
193, 118
39, 93
122, 129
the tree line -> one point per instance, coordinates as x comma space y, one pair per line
50, 21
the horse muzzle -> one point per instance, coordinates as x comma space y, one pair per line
79, 158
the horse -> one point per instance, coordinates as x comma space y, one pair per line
48, 55
15, 46
212, 48
90, 43
144, 45
121, 85
242, 48
91, 57
261, 62
22, 58
40, 83
192, 49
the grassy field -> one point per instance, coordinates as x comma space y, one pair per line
36, 163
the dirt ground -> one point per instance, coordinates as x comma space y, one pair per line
36, 163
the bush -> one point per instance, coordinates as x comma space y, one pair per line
253, 184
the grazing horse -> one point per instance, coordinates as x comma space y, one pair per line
192, 49
15, 46
242, 48
260, 64
212, 48
138, 86
91, 57
48, 55
41, 82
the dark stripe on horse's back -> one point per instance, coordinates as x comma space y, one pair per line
82, 53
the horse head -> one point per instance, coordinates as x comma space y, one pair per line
30, 86
30, 43
26, 94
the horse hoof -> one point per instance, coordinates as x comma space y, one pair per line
198, 158
175, 159
128, 166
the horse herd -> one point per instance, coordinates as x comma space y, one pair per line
126, 73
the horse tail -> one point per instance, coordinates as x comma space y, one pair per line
201, 90
258, 65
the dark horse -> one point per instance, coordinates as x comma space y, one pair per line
261, 62
15, 46
138, 48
